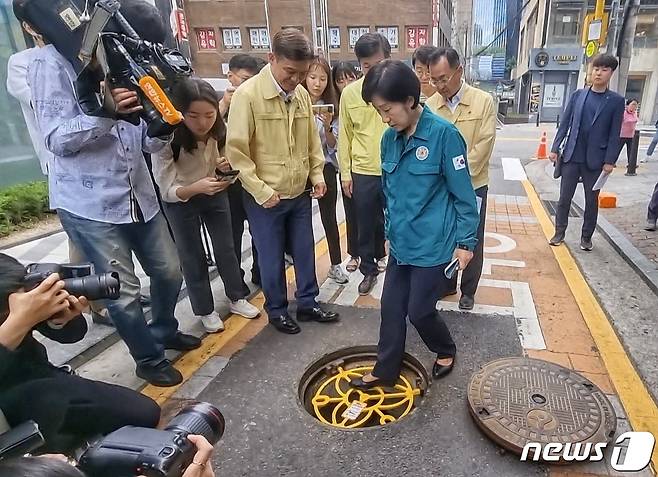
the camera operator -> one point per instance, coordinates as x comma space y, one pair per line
54, 466
67, 408
101, 188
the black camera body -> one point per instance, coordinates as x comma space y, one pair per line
132, 451
79, 280
147, 68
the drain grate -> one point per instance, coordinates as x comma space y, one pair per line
326, 395
517, 401
551, 206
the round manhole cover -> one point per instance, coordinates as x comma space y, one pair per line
517, 401
326, 395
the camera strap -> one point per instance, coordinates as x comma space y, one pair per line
103, 12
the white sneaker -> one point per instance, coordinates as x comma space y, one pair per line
212, 322
381, 265
244, 308
337, 274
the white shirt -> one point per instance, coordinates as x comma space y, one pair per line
456, 99
17, 86
287, 97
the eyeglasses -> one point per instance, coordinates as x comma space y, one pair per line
443, 81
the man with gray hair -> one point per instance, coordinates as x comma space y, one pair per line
472, 111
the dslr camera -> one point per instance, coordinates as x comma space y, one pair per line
79, 280
133, 451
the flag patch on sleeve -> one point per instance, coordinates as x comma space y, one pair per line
459, 162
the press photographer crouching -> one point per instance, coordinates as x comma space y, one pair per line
67, 408
99, 181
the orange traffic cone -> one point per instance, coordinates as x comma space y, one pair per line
542, 150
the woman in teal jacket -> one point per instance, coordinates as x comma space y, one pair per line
431, 217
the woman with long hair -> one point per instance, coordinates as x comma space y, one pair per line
319, 85
343, 74
192, 183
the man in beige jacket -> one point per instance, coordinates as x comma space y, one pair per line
472, 111
273, 141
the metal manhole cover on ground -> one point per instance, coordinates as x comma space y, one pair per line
325, 393
516, 401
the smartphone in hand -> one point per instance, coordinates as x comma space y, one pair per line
229, 176
451, 269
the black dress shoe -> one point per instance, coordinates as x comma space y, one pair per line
586, 244
466, 302
359, 383
367, 284
439, 371
163, 374
285, 324
557, 239
182, 342
316, 314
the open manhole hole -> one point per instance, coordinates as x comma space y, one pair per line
520, 401
325, 393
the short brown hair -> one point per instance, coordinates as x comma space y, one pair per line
293, 45
605, 61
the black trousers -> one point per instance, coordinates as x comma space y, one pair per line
571, 174
368, 200
70, 409
410, 292
327, 206
628, 142
652, 212
471, 276
351, 224
185, 221
238, 218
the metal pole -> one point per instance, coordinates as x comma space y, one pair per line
267, 22
632, 155
314, 25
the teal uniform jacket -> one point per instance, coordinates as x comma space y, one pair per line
430, 203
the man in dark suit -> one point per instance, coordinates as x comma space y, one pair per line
589, 140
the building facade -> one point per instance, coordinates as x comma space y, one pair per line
551, 60
220, 29
489, 39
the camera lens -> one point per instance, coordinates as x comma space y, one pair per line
94, 287
202, 419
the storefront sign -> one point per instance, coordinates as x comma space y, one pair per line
556, 59
553, 95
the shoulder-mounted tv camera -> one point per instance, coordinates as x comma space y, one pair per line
103, 46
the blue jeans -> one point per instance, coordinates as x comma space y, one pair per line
288, 226
653, 144
110, 247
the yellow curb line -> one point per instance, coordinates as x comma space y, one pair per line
190, 362
640, 408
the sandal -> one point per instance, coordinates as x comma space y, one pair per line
352, 265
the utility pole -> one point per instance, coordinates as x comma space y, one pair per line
625, 45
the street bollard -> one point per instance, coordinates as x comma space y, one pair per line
632, 156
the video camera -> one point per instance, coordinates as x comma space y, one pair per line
107, 40
79, 280
132, 451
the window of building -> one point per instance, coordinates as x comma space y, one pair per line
232, 38
356, 33
566, 23
334, 38
646, 31
391, 33
205, 39
416, 36
259, 38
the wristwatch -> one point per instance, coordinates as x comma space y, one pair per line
461, 246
